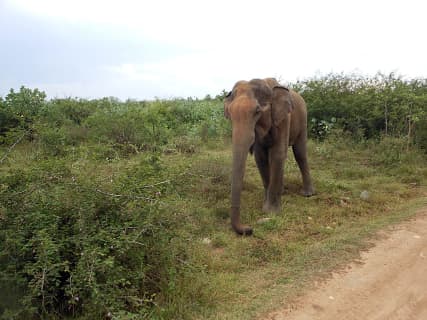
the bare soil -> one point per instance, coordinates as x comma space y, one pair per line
389, 282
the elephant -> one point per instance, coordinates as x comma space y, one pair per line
266, 119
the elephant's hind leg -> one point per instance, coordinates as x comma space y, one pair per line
300, 153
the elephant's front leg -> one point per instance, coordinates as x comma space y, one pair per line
277, 156
261, 159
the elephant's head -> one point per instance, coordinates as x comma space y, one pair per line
255, 107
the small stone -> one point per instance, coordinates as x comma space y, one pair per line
364, 195
206, 241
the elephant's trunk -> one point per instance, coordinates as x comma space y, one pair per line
240, 154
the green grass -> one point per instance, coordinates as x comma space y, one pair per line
204, 270
309, 238
242, 276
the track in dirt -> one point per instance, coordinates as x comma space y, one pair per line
389, 282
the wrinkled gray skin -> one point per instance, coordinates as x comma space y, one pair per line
266, 118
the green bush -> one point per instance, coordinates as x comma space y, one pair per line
58, 112
421, 133
52, 140
155, 125
75, 248
365, 107
26, 104
320, 129
19, 109
388, 151
18, 112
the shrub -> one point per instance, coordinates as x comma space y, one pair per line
375, 106
52, 140
74, 248
320, 129
421, 133
18, 112
25, 104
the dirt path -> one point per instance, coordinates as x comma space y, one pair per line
389, 282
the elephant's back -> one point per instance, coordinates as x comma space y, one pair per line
298, 101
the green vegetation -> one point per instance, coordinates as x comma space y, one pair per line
368, 107
119, 210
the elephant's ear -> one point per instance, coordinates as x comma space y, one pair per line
261, 91
227, 102
282, 104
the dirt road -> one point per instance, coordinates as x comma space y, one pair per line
389, 282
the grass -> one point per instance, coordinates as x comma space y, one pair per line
223, 276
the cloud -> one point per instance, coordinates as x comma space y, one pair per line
186, 48
194, 74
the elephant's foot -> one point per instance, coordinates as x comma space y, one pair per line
270, 208
242, 229
308, 192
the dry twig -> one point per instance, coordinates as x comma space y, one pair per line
12, 146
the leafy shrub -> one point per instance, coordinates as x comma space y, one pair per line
365, 107
76, 134
421, 133
18, 111
185, 144
126, 128
389, 151
152, 126
319, 129
58, 112
25, 104
7, 120
52, 140
78, 249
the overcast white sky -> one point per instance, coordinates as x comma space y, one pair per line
169, 48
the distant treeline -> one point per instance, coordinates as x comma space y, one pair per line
363, 107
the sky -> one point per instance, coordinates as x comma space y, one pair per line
191, 48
